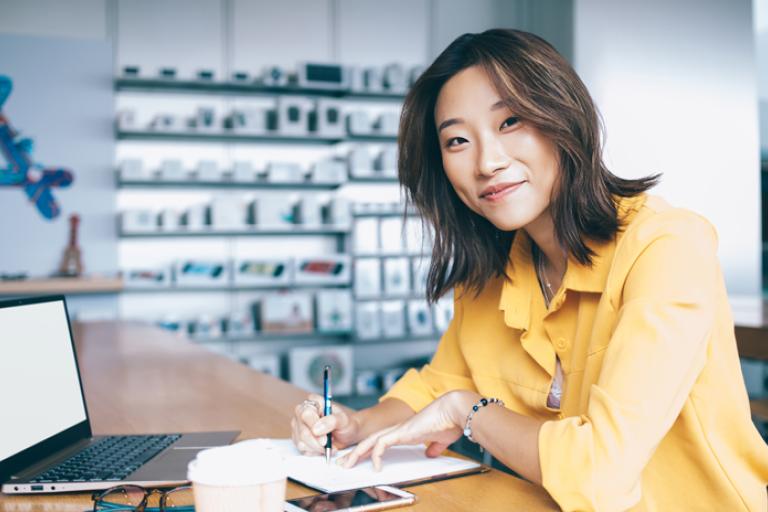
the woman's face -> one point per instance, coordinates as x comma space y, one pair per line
501, 168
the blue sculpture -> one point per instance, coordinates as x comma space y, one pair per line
21, 171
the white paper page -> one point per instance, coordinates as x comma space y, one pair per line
399, 464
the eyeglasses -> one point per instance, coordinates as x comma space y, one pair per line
136, 499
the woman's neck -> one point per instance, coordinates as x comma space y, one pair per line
542, 232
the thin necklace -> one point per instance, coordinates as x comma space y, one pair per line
544, 284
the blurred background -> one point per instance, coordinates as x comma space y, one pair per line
234, 161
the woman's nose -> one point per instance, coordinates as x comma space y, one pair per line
492, 157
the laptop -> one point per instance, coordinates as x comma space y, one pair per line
45, 439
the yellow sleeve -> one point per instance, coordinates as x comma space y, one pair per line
447, 370
656, 352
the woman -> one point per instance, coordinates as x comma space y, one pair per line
592, 349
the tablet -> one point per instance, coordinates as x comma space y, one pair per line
355, 500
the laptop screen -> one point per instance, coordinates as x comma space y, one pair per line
38, 376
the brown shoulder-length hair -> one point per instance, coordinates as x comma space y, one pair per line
543, 90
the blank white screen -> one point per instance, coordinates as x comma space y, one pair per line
38, 376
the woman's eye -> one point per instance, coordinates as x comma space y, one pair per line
510, 121
455, 141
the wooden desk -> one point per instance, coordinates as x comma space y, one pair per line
139, 379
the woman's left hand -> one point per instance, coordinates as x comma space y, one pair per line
439, 424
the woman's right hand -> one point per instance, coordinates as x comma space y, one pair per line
309, 428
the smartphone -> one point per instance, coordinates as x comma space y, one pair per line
356, 500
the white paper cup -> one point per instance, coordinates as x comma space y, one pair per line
247, 476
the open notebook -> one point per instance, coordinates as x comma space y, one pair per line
400, 465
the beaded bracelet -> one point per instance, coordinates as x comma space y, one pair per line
482, 403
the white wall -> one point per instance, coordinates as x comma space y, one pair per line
676, 84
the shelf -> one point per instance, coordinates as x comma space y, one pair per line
265, 288
759, 408
219, 137
61, 285
390, 255
383, 298
385, 214
250, 232
227, 184
213, 87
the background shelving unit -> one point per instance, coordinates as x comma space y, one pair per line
383, 353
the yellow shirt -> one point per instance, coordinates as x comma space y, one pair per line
654, 413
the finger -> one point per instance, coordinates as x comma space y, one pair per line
380, 447
326, 424
435, 449
308, 415
363, 449
312, 443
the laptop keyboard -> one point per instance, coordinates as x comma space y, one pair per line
109, 459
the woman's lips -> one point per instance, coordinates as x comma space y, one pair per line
497, 192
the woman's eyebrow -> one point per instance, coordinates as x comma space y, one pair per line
457, 120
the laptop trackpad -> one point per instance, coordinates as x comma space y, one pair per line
169, 465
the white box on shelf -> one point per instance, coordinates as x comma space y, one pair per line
336, 212
243, 172
360, 162
247, 121
147, 278
365, 236
367, 382
169, 220
195, 218
367, 277
391, 235
307, 363
263, 272
359, 123
393, 319
395, 78
386, 124
172, 170
443, 311
138, 221
368, 321
328, 269
203, 273
327, 119
307, 211
419, 318
373, 79
330, 171
126, 120
208, 170
265, 363
132, 169
204, 120
420, 273
334, 311
314, 75
385, 163
397, 280
356, 78
227, 213
284, 172
289, 312
165, 123
415, 242
293, 115
239, 325
271, 212
205, 327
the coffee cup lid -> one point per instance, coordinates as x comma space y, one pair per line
245, 463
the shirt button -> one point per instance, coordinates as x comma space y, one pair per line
561, 343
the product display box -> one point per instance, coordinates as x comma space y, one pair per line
393, 319
306, 368
263, 272
419, 318
293, 115
227, 213
201, 273
397, 277
271, 212
327, 119
368, 321
171, 170
320, 270
420, 272
328, 171
367, 277
443, 311
132, 169
138, 221
391, 235
147, 278
334, 311
195, 218
169, 220
365, 236
238, 325
289, 312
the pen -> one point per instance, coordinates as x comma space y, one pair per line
327, 409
